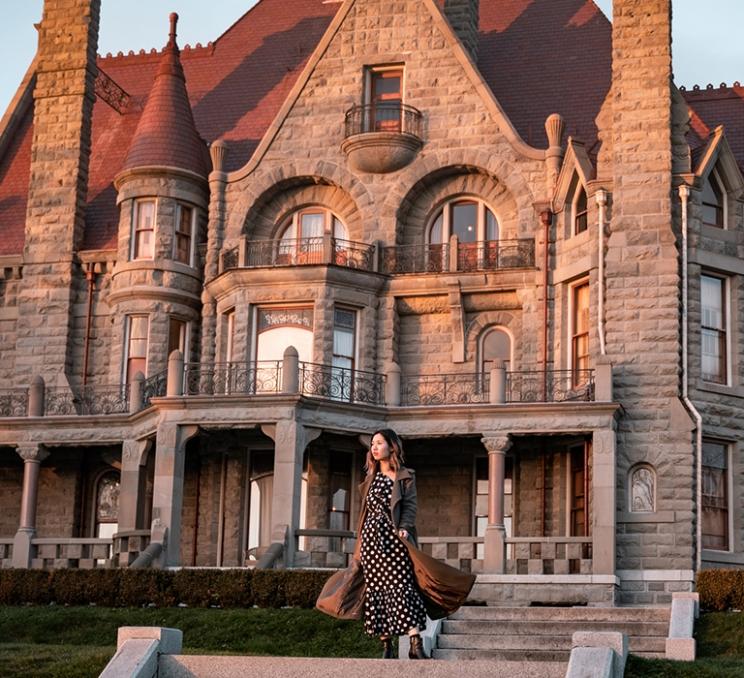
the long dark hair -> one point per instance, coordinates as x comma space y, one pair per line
396, 451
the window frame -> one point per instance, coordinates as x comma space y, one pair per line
370, 73
186, 332
572, 334
127, 345
726, 324
180, 206
716, 176
481, 363
729, 488
575, 214
135, 229
444, 208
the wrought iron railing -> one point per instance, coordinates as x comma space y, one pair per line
444, 389
419, 258
340, 383
86, 400
353, 254
155, 387
552, 386
494, 254
14, 402
393, 117
233, 378
284, 252
230, 258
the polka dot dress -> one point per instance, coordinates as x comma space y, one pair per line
392, 604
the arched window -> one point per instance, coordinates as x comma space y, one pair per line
580, 212
714, 201
107, 505
470, 219
495, 344
642, 489
301, 235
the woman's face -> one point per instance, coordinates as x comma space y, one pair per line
379, 447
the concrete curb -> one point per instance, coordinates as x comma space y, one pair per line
597, 655
138, 649
680, 644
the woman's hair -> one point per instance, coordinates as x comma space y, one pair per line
396, 451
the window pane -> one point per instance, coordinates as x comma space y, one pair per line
145, 215
339, 229
436, 230
492, 226
713, 329
386, 85
184, 220
144, 247
711, 291
177, 336
465, 221
715, 496
311, 224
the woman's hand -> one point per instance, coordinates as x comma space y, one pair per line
403, 534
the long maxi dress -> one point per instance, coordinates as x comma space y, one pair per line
392, 603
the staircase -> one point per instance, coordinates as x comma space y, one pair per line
543, 634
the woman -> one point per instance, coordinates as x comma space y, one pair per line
392, 604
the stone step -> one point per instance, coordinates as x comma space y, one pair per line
637, 645
645, 614
511, 627
552, 656
199, 666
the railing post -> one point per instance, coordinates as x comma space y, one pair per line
242, 251
452, 254
36, 397
174, 385
392, 385
603, 380
136, 393
377, 256
291, 370
497, 387
328, 248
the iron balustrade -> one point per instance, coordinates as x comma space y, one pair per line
353, 254
419, 258
233, 378
155, 387
340, 383
393, 117
14, 402
490, 255
230, 258
444, 389
90, 400
553, 386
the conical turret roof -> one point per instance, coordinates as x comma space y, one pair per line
166, 135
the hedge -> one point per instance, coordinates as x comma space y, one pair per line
162, 588
721, 589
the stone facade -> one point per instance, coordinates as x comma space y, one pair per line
229, 459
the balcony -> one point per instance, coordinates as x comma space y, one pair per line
381, 138
323, 250
454, 256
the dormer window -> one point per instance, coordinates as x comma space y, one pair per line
714, 201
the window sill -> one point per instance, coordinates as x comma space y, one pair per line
720, 389
723, 557
719, 233
657, 517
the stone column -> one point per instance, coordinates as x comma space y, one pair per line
495, 539
32, 455
602, 505
290, 441
130, 499
167, 498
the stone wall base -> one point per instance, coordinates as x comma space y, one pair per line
525, 590
653, 587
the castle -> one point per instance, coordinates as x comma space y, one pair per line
496, 227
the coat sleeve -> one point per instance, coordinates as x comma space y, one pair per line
409, 505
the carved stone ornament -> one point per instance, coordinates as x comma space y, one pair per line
32, 452
497, 443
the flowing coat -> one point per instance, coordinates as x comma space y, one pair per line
443, 588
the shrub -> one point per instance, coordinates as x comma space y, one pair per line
302, 588
82, 587
268, 588
18, 587
721, 589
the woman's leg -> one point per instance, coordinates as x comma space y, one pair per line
387, 647
416, 648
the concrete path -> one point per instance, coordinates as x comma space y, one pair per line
192, 666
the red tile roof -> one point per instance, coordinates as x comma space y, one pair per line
538, 56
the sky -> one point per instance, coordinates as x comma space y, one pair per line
707, 46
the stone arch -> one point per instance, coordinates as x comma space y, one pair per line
507, 320
261, 186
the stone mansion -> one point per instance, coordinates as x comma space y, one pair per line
497, 227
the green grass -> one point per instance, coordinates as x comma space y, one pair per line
77, 642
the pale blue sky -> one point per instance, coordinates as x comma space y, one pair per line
707, 44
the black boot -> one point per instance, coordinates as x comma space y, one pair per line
416, 649
387, 648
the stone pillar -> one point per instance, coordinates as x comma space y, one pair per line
290, 441
136, 393
392, 385
495, 540
174, 385
603, 497
497, 386
55, 212
452, 254
167, 497
290, 370
36, 397
32, 455
132, 460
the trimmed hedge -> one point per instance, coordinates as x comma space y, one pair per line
721, 589
163, 588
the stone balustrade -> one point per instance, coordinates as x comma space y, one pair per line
549, 555
6, 552
57, 552
464, 553
324, 548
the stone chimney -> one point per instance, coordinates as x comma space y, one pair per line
55, 216
463, 16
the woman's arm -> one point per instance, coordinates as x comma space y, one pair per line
409, 506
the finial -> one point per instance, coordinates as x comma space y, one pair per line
173, 23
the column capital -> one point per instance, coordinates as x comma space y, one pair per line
32, 452
497, 443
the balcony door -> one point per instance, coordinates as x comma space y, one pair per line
277, 329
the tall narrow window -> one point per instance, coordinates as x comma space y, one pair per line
580, 335
184, 234
144, 230
580, 212
715, 496
713, 328
386, 96
713, 201
344, 331
229, 346
178, 333
136, 357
